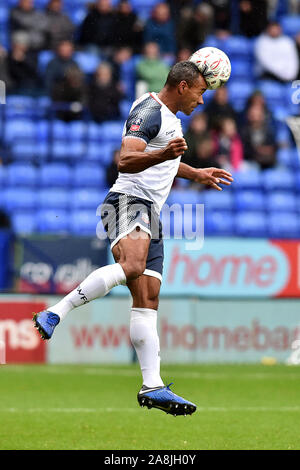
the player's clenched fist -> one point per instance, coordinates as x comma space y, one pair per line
175, 148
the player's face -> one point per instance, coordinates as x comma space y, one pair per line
191, 96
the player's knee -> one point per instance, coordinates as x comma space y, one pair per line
133, 269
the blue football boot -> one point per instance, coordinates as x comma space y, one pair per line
164, 399
45, 322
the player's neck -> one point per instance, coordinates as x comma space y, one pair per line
167, 98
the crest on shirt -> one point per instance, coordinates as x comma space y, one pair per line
135, 126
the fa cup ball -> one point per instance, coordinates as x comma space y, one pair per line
213, 64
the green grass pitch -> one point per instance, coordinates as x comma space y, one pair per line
95, 407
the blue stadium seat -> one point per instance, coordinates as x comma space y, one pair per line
19, 129
24, 223
19, 175
86, 61
87, 198
112, 131
52, 221
44, 58
250, 224
77, 150
290, 24
237, 47
94, 132
26, 151
54, 198
218, 200
249, 200
89, 175
19, 199
278, 178
77, 130
281, 201
239, 92
20, 106
60, 150
187, 196
241, 69
284, 225
288, 157
102, 152
86, 222
273, 92
212, 41
4, 15
55, 174
219, 223
3, 176
43, 130
125, 107
297, 181
59, 130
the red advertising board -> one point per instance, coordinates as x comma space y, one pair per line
21, 340
291, 250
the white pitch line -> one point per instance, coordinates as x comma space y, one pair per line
214, 409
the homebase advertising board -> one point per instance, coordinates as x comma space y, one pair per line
191, 330
230, 267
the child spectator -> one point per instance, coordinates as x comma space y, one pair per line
22, 66
104, 95
229, 146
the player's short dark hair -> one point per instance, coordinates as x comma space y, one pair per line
184, 70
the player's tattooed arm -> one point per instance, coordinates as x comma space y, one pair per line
134, 159
208, 176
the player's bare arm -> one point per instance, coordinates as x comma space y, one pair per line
134, 159
209, 176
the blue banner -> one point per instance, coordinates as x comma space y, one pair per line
57, 264
5, 258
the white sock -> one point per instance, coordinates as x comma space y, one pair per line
144, 337
97, 284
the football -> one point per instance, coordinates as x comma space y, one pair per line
213, 64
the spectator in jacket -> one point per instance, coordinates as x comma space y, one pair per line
26, 19
193, 27
22, 65
151, 69
253, 17
104, 95
276, 55
258, 139
99, 27
128, 27
60, 27
196, 132
58, 66
160, 29
219, 108
69, 94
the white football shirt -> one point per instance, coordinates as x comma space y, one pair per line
153, 122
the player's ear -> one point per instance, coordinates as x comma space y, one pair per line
182, 87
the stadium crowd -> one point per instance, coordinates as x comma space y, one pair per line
83, 62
